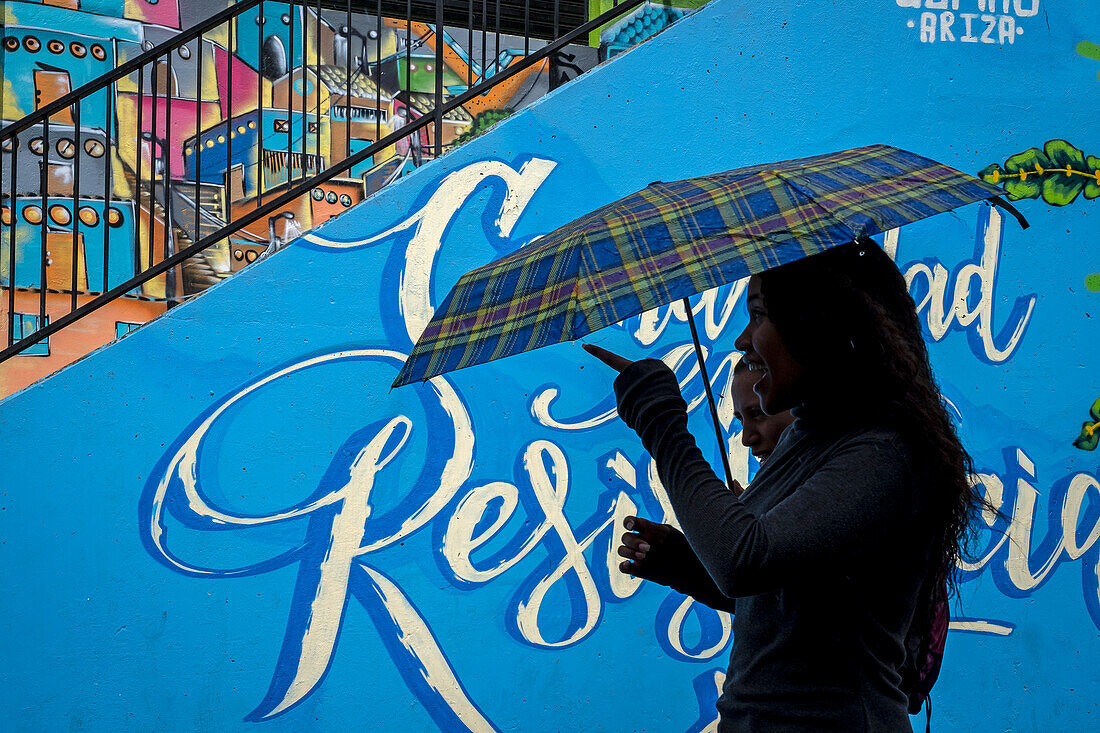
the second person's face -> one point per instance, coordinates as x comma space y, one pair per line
781, 379
759, 431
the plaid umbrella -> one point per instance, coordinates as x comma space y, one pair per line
672, 240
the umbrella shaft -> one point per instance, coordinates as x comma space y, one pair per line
710, 395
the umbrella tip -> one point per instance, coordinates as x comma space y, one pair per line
1001, 203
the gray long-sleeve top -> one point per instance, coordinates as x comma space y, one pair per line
825, 555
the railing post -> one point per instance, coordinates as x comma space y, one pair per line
408, 76
227, 181
261, 177
154, 158
289, 96
196, 149
76, 207
139, 153
377, 78
13, 218
305, 92
108, 184
43, 174
317, 81
438, 110
172, 280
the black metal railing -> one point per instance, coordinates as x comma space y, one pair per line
194, 149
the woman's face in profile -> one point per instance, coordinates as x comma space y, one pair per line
780, 378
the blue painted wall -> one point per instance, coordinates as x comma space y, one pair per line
228, 521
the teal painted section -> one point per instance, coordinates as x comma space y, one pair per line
227, 516
357, 171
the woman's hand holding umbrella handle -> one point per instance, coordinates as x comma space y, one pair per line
613, 360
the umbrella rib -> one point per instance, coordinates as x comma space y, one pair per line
909, 180
815, 202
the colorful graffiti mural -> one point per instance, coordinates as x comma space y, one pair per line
228, 521
228, 119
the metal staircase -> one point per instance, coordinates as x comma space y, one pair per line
208, 151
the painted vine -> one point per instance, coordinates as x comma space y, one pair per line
1058, 173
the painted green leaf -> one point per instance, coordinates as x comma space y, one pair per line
992, 173
1025, 182
1058, 173
1066, 162
1092, 187
1095, 409
1089, 439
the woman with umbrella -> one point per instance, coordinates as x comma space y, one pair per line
839, 559
839, 553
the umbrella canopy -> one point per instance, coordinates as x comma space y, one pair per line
672, 240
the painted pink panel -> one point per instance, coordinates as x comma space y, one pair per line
160, 12
402, 145
245, 83
183, 126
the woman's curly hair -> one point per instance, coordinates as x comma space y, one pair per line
847, 315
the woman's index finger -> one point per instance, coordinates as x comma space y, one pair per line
613, 360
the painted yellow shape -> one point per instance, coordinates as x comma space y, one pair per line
126, 119
219, 35
11, 110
